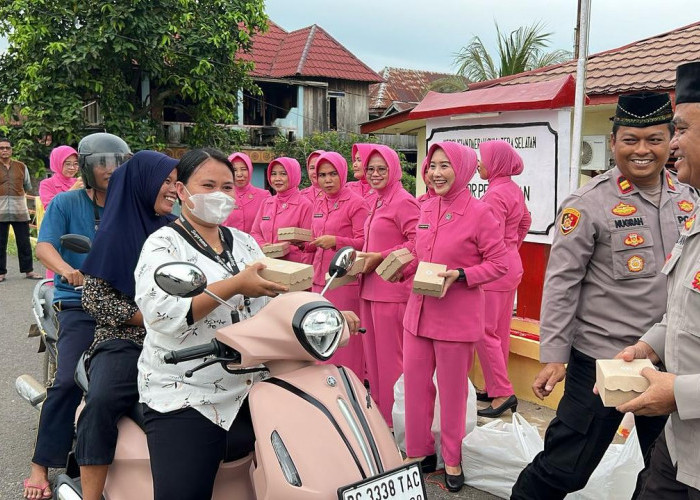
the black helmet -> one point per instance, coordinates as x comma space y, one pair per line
100, 150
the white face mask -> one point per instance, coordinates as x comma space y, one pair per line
213, 208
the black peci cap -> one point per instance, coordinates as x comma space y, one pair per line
643, 109
688, 82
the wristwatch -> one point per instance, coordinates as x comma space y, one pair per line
462, 276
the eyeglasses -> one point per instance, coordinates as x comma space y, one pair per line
9, 148
381, 170
71, 165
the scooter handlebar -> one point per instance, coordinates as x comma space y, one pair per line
194, 352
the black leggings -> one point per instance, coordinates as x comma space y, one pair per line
186, 449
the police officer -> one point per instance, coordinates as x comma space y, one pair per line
674, 468
603, 289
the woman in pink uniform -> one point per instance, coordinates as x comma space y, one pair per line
430, 192
64, 165
248, 197
459, 231
498, 162
288, 208
360, 186
338, 219
313, 191
391, 225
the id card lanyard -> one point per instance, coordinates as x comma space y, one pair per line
228, 263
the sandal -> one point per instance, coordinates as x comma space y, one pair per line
34, 276
2, 278
45, 488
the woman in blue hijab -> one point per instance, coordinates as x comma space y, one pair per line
140, 199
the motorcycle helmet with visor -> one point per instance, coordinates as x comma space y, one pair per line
100, 151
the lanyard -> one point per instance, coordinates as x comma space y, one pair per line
229, 263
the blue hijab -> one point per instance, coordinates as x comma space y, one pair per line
129, 218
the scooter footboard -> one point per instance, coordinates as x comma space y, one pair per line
316, 430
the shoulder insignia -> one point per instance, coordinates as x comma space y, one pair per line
635, 263
570, 218
669, 181
686, 206
696, 281
634, 240
624, 209
624, 185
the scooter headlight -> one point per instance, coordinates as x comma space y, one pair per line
319, 327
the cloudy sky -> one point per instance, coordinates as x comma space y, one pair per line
426, 34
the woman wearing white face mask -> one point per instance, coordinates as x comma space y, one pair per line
211, 410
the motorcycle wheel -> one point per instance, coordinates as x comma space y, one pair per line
49, 369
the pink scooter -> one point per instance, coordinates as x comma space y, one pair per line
318, 433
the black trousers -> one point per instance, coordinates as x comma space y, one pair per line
54, 438
112, 393
24, 247
186, 449
578, 437
658, 479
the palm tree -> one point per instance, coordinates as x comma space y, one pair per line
522, 50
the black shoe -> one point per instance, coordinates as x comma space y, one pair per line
509, 404
454, 483
483, 396
428, 464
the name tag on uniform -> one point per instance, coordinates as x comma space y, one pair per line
318, 216
266, 217
423, 226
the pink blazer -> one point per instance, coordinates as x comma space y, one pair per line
390, 225
311, 193
274, 214
247, 206
507, 201
466, 236
343, 217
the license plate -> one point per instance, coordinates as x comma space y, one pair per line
404, 483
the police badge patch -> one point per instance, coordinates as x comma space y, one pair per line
696, 281
686, 206
634, 240
635, 264
570, 218
624, 209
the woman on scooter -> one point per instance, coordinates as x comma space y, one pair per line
190, 421
499, 161
391, 225
313, 191
338, 220
459, 231
141, 195
288, 208
248, 197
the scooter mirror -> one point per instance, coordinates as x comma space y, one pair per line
75, 243
181, 279
342, 261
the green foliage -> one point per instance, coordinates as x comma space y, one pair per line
521, 50
340, 143
66, 54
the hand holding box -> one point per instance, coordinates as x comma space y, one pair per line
293, 275
619, 381
394, 263
427, 281
294, 234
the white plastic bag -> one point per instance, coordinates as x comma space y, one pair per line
398, 415
616, 475
494, 454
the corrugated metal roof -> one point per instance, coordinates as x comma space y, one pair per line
648, 64
401, 87
308, 52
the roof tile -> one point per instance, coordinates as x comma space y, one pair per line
401, 86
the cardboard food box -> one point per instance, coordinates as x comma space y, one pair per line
294, 234
293, 275
276, 250
338, 282
357, 267
396, 261
620, 381
427, 281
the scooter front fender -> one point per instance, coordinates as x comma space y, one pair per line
333, 434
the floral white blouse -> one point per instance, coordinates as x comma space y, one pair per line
212, 391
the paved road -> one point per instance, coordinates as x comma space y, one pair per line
18, 421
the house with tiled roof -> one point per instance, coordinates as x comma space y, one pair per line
310, 83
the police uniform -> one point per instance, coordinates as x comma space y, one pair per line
674, 471
603, 289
